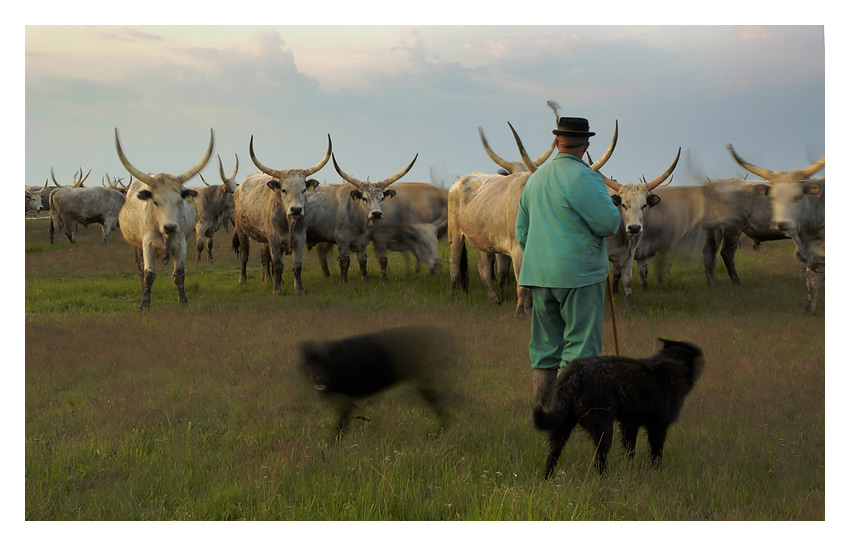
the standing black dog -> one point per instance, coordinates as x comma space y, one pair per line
593, 392
360, 366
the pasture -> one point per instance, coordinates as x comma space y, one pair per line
197, 413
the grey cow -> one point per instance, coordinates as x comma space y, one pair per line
342, 215
215, 206
272, 208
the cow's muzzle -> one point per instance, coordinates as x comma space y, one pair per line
634, 229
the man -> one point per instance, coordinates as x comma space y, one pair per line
564, 215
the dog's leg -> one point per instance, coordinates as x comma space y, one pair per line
344, 411
557, 440
601, 430
656, 434
432, 397
628, 433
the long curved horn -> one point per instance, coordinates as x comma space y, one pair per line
347, 178
315, 168
529, 164
55, 183
269, 171
610, 182
498, 160
756, 170
207, 184
221, 169
200, 164
149, 180
83, 179
542, 159
607, 155
387, 181
814, 167
45, 185
654, 184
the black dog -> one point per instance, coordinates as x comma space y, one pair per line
593, 392
363, 365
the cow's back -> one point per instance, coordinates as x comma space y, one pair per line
257, 209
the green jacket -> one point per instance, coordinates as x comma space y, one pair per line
564, 215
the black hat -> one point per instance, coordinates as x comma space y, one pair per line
573, 127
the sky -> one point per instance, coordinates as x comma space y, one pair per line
386, 93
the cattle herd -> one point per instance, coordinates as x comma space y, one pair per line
284, 210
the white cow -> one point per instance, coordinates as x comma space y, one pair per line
157, 218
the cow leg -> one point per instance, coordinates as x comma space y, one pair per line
209, 249
147, 254
503, 270
140, 264
147, 282
381, 253
199, 243
276, 258
179, 277
297, 256
265, 263
643, 270
70, 232
322, 251
485, 270
244, 248
626, 276
730, 246
523, 293
814, 283
362, 258
709, 253
51, 229
457, 257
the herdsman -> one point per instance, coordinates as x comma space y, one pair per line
564, 215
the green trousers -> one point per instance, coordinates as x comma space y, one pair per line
566, 323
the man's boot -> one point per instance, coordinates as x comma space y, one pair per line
544, 380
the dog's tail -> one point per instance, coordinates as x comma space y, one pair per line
544, 420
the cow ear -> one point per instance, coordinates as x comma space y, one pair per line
355, 194
389, 194
813, 188
273, 184
617, 199
652, 200
762, 189
188, 193
312, 184
144, 195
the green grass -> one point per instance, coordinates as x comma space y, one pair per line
197, 413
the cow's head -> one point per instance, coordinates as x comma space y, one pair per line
370, 195
166, 193
291, 184
32, 202
786, 190
634, 200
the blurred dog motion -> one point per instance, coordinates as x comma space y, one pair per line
593, 392
363, 365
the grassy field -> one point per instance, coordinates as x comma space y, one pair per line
197, 413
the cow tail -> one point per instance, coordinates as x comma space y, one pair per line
464, 267
235, 243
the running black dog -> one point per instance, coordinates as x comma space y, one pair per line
593, 392
361, 366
